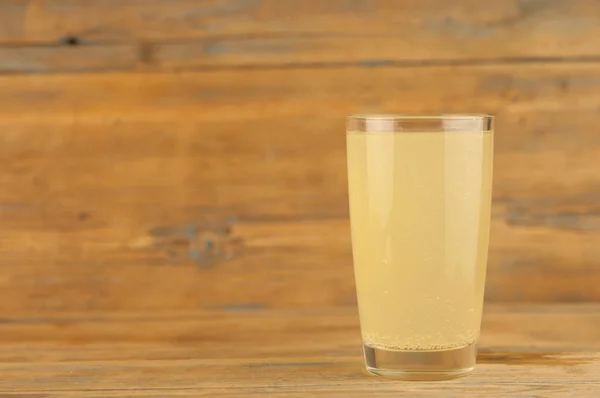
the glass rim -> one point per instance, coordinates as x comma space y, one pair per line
401, 116
404, 123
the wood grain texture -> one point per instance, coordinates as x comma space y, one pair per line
179, 191
173, 203
553, 376
37, 59
255, 265
525, 351
182, 34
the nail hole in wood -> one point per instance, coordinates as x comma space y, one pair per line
70, 41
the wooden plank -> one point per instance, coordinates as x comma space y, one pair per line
292, 93
180, 187
181, 34
545, 114
524, 351
128, 268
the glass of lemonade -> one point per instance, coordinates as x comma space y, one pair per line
420, 196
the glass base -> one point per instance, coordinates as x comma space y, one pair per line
421, 365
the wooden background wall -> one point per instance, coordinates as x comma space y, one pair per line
159, 155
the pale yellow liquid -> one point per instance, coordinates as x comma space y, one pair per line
420, 208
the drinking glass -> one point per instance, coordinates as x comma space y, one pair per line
420, 197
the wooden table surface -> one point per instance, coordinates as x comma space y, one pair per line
525, 351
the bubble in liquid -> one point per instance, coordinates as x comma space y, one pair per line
437, 340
